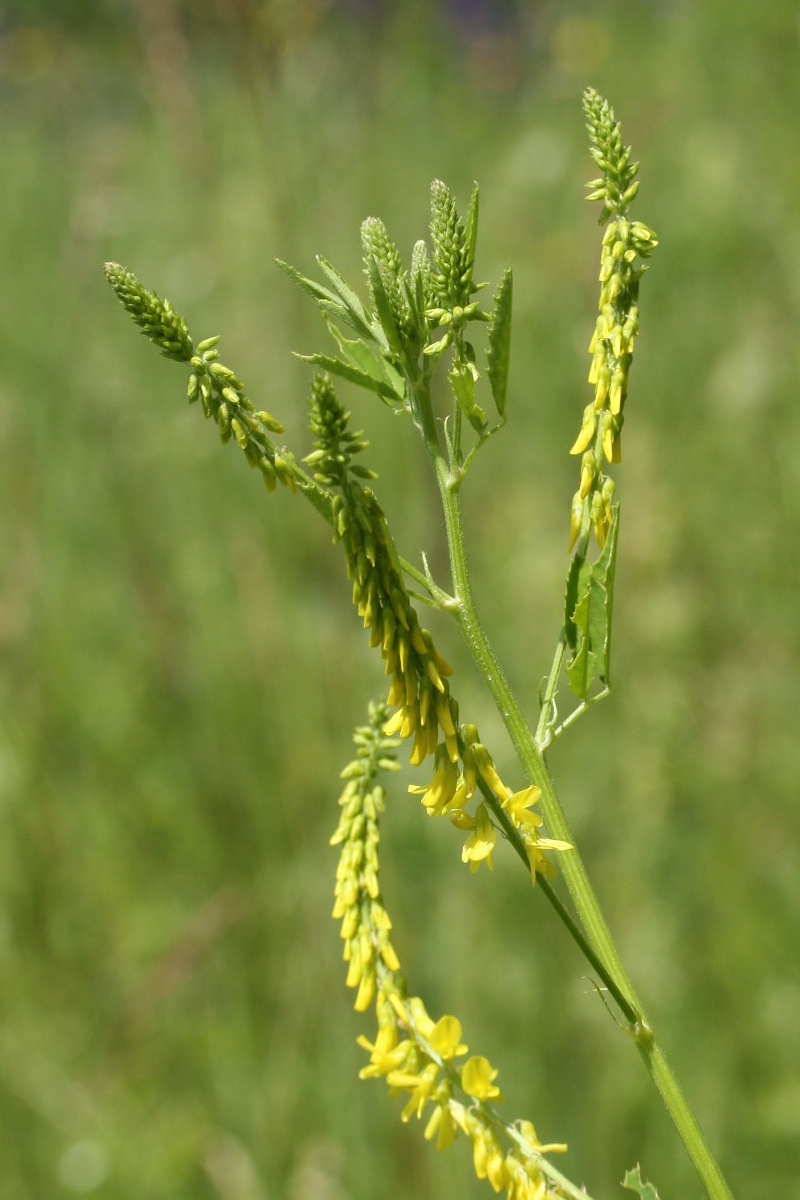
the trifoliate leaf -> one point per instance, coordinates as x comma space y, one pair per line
499, 348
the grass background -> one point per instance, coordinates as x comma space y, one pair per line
181, 667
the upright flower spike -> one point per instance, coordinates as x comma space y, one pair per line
626, 244
453, 255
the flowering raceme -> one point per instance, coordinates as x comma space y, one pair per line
419, 1057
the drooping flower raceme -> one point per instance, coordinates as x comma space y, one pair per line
419, 1057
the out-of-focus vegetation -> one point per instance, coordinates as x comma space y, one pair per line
181, 667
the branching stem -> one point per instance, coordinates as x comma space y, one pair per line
603, 955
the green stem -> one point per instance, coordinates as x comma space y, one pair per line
583, 896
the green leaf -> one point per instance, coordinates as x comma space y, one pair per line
342, 305
588, 611
359, 355
352, 302
633, 1183
335, 366
472, 228
499, 348
462, 382
313, 288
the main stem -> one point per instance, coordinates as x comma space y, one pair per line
572, 868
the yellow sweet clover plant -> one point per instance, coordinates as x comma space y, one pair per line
417, 321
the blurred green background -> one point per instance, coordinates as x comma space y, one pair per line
181, 665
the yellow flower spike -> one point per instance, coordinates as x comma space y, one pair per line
445, 1038
481, 841
477, 1078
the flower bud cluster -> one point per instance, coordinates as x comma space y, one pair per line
451, 281
422, 1058
155, 317
222, 396
218, 388
419, 690
378, 245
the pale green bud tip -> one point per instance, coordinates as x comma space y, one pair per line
616, 188
155, 317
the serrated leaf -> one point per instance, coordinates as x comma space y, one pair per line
633, 1183
313, 288
606, 567
499, 349
581, 670
588, 612
334, 310
471, 227
577, 577
350, 299
335, 366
